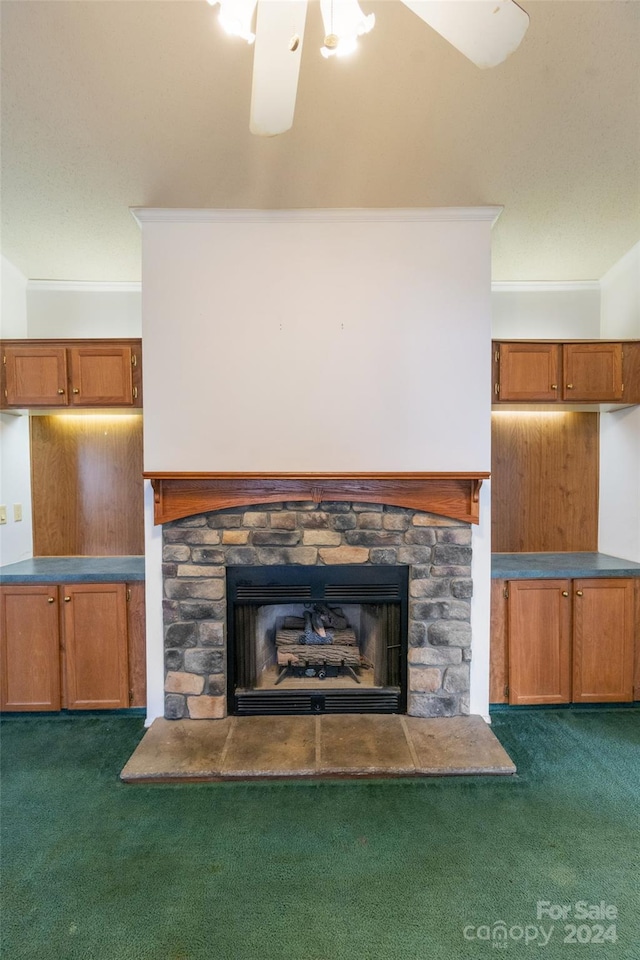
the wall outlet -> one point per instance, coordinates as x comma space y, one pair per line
3, 514
17, 512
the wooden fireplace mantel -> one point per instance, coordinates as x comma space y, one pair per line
178, 495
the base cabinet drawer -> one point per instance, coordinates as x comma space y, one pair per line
563, 641
72, 646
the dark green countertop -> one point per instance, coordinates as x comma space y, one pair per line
73, 570
552, 566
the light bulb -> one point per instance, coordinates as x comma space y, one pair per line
236, 17
344, 22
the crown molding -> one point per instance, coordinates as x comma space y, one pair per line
336, 215
83, 286
544, 286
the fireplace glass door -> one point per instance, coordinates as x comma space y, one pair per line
317, 639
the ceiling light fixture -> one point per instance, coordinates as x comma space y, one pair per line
484, 31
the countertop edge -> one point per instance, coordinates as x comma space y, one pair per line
57, 570
554, 566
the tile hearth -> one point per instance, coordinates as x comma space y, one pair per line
333, 745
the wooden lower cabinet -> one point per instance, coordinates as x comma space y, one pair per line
539, 625
73, 646
603, 640
29, 648
95, 655
562, 641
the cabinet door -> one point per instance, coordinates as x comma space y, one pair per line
539, 641
95, 646
29, 648
592, 371
528, 371
35, 376
603, 616
101, 376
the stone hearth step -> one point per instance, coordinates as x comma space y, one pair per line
333, 745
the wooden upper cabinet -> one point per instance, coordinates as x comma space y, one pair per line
95, 651
35, 376
101, 376
528, 371
539, 625
29, 648
71, 373
603, 612
592, 372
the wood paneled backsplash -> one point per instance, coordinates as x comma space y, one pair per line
544, 481
87, 485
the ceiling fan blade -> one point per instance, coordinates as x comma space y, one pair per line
276, 65
485, 31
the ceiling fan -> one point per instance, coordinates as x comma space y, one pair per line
484, 31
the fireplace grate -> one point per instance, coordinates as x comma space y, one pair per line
290, 702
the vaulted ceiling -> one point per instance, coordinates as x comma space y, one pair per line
107, 105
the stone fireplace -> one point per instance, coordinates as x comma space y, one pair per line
434, 550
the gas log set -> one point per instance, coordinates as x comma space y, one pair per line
319, 644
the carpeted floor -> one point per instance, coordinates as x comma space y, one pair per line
375, 870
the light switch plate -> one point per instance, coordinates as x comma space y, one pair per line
3, 514
17, 512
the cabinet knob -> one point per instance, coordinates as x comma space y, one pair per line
565, 593
75, 390
569, 386
67, 599
60, 391
578, 593
51, 600
554, 386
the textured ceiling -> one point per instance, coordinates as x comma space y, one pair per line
107, 105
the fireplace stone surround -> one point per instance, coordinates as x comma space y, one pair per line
197, 550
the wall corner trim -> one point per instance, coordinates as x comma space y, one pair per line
144, 215
84, 286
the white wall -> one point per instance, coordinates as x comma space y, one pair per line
548, 311
284, 343
16, 539
620, 431
317, 345
70, 310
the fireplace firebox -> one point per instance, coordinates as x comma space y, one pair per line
310, 640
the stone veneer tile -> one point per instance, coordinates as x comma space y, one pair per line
425, 679
199, 570
206, 707
344, 554
178, 682
238, 537
435, 656
283, 521
328, 538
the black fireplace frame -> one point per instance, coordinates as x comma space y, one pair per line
331, 584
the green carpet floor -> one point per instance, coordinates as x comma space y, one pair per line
372, 870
